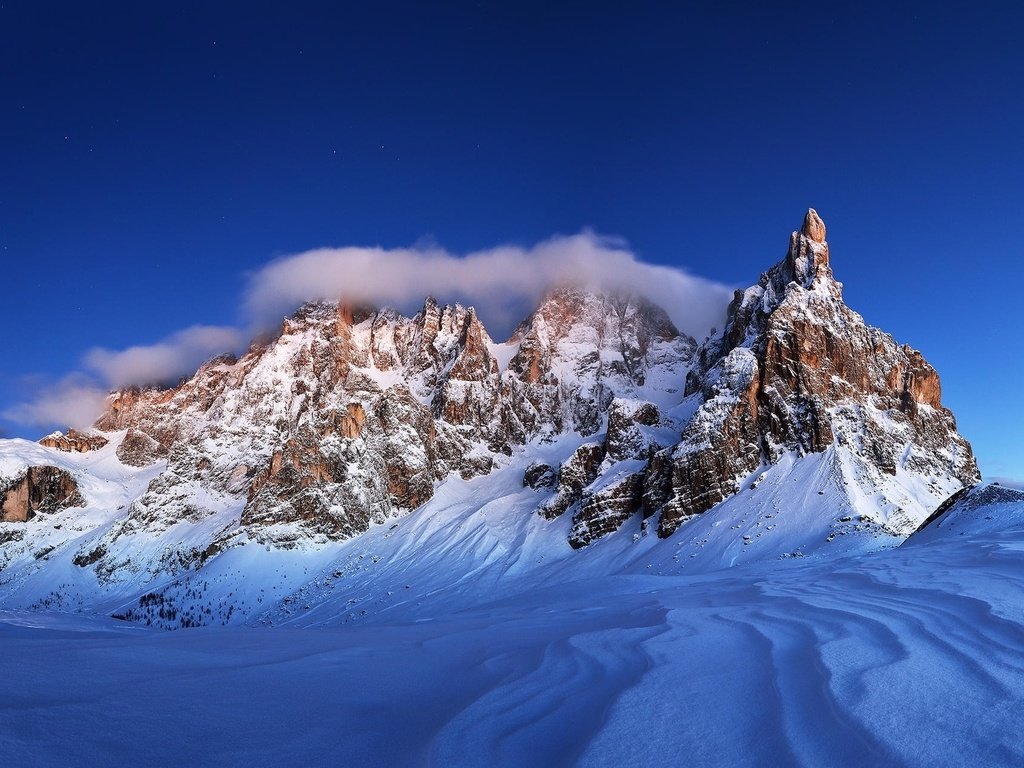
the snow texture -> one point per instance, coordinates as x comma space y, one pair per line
910, 657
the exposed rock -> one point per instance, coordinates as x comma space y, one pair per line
74, 441
350, 425
606, 510
137, 449
302, 485
87, 558
39, 489
540, 475
12, 535
625, 439
142, 413
813, 227
720, 444
412, 453
469, 392
575, 474
579, 350
797, 370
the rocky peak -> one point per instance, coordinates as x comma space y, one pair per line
796, 370
804, 276
813, 227
564, 309
625, 326
454, 343
580, 349
807, 261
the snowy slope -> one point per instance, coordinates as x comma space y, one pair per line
473, 540
909, 657
987, 508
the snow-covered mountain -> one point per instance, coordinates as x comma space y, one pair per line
361, 459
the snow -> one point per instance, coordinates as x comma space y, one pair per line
503, 353
786, 625
471, 533
987, 508
913, 656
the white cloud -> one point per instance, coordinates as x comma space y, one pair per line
75, 401
178, 355
78, 399
504, 283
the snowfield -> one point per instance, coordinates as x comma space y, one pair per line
791, 624
907, 656
474, 538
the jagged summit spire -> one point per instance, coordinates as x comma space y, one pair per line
813, 226
808, 256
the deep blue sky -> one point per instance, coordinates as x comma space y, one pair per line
150, 155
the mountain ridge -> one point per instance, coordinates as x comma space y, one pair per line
597, 415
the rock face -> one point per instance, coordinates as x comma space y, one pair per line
576, 473
796, 370
137, 449
74, 441
352, 415
604, 510
38, 489
579, 350
540, 475
625, 438
814, 227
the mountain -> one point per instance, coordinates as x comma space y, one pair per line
797, 371
359, 451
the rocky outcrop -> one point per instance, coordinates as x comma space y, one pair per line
796, 370
625, 438
813, 227
74, 441
38, 489
575, 474
720, 445
137, 449
540, 475
302, 485
605, 510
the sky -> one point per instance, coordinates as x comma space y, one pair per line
158, 162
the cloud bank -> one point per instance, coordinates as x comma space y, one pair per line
78, 399
167, 360
503, 283
75, 401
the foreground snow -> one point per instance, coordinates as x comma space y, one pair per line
473, 537
912, 656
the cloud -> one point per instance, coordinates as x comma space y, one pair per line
504, 283
166, 361
78, 399
75, 401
